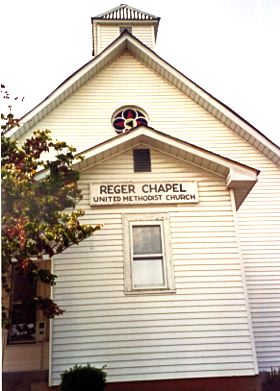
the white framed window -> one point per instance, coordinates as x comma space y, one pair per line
148, 263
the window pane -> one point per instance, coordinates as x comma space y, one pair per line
23, 322
146, 239
148, 272
24, 288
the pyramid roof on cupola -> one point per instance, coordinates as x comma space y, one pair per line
125, 12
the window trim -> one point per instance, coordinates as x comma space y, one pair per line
147, 219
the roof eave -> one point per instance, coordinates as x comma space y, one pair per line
211, 104
68, 86
238, 177
220, 111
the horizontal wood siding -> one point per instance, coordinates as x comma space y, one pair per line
146, 34
201, 331
26, 357
106, 35
84, 119
259, 227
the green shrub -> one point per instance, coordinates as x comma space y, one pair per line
272, 383
83, 378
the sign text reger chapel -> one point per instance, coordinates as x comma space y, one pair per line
143, 193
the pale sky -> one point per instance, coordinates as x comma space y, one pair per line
231, 48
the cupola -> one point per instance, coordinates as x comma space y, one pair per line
108, 26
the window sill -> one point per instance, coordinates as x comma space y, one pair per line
137, 292
20, 343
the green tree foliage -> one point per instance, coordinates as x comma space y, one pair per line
39, 215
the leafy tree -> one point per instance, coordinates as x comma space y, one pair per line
39, 215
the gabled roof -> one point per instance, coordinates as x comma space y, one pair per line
125, 12
128, 42
239, 177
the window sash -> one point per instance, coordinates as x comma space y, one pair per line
145, 256
162, 257
152, 275
150, 241
148, 273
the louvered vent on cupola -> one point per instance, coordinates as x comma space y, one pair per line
142, 160
108, 26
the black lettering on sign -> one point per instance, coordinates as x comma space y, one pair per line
103, 189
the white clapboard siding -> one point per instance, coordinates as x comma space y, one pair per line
84, 119
259, 229
107, 33
145, 34
201, 330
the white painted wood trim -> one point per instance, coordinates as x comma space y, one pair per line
50, 335
97, 45
217, 108
171, 74
238, 170
242, 268
163, 218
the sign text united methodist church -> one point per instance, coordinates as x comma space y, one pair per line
142, 193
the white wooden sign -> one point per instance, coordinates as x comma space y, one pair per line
143, 193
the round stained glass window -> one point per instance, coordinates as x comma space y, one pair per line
127, 119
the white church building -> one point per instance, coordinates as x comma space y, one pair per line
180, 289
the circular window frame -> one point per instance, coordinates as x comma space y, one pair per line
128, 123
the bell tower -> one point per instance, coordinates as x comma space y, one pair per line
108, 26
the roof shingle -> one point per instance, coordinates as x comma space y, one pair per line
125, 12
